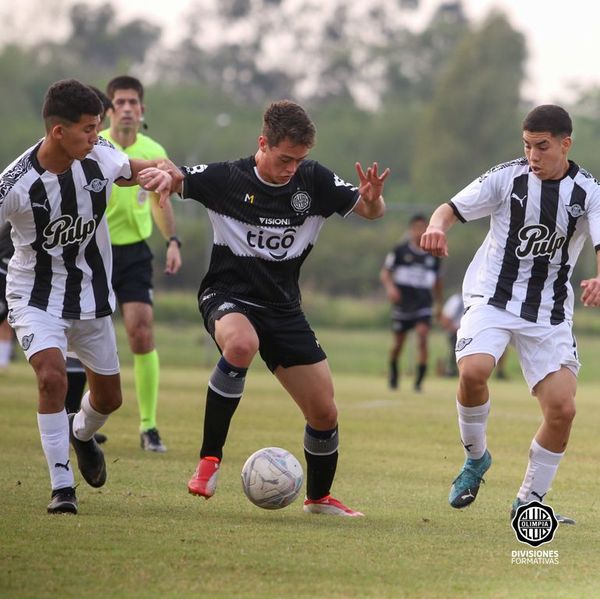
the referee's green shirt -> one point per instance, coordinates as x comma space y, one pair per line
128, 213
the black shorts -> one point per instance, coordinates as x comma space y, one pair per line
3, 304
285, 337
400, 325
132, 273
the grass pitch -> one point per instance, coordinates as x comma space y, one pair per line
143, 535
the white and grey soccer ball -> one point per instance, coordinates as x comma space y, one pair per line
272, 478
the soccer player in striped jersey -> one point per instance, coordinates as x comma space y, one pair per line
58, 287
517, 291
266, 211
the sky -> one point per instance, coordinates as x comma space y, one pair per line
562, 36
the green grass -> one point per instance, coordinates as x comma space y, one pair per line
142, 535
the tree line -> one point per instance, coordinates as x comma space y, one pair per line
438, 107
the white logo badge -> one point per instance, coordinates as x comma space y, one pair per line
301, 201
96, 185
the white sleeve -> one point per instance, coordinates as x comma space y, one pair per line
123, 165
478, 199
115, 164
593, 216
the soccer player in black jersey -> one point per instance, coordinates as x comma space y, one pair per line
266, 211
58, 287
412, 280
517, 291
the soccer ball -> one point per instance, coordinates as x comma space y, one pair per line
272, 478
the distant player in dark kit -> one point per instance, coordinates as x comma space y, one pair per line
517, 291
412, 281
266, 211
58, 287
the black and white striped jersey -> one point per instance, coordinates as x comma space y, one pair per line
415, 273
62, 261
537, 231
263, 232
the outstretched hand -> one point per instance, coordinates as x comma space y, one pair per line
371, 184
591, 292
157, 180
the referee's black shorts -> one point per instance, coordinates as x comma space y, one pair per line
132, 273
285, 337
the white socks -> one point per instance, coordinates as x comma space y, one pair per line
472, 423
87, 421
540, 473
54, 433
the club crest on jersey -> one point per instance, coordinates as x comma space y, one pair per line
575, 210
26, 341
64, 231
536, 240
301, 201
96, 185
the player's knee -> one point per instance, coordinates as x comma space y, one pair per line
141, 339
473, 375
323, 417
241, 349
52, 384
561, 414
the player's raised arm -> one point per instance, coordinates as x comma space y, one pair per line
434, 239
371, 204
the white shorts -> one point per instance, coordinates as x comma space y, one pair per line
542, 348
92, 340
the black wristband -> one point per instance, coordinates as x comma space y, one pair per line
175, 239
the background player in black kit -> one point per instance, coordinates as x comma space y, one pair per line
412, 281
266, 211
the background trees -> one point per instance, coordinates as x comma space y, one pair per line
438, 106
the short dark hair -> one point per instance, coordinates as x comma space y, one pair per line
549, 118
416, 218
286, 119
106, 103
125, 82
68, 100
